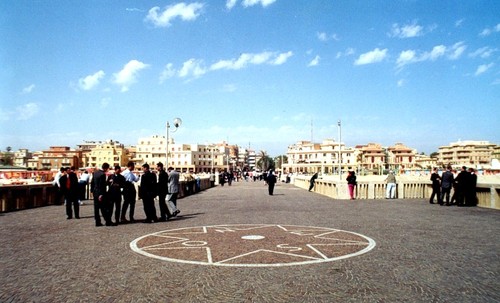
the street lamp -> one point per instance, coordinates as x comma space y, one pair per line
340, 154
177, 123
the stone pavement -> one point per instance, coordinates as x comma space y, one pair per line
422, 252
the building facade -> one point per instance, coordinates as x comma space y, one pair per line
111, 152
476, 154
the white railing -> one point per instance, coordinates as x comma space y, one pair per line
488, 194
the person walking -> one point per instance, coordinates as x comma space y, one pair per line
148, 192
447, 181
435, 178
391, 186
116, 183
82, 184
351, 183
70, 191
162, 192
129, 193
173, 191
99, 191
271, 181
312, 181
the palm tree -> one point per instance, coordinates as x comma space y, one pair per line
265, 162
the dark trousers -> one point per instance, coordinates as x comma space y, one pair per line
115, 203
435, 193
128, 199
445, 191
311, 185
164, 212
72, 203
149, 208
103, 208
271, 188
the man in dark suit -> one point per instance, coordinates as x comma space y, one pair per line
116, 183
70, 190
461, 187
162, 192
99, 191
173, 190
148, 192
446, 184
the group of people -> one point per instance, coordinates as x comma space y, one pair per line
463, 185
109, 189
72, 189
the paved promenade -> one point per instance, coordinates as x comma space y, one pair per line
420, 252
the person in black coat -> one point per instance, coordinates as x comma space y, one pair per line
148, 192
436, 186
312, 181
71, 191
271, 181
447, 181
471, 198
116, 183
99, 191
162, 192
462, 182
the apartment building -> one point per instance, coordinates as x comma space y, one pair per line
400, 156
186, 157
58, 156
111, 152
21, 157
326, 157
476, 154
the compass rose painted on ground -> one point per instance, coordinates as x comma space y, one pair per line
252, 245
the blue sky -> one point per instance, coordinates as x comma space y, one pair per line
258, 72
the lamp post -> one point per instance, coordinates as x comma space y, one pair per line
177, 123
340, 154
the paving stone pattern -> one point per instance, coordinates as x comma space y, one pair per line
423, 253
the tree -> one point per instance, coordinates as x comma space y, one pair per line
265, 162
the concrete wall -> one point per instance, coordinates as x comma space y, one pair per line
18, 197
488, 194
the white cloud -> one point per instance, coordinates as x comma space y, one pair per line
167, 73
458, 23
27, 111
247, 58
325, 37
373, 56
231, 3
401, 83
438, 51
193, 68
406, 57
406, 31
90, 81
28, 89
315, 61
282, 58
483, 68
186, 12
264, 3
483, 52
127, 76
488, 31
457, 50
